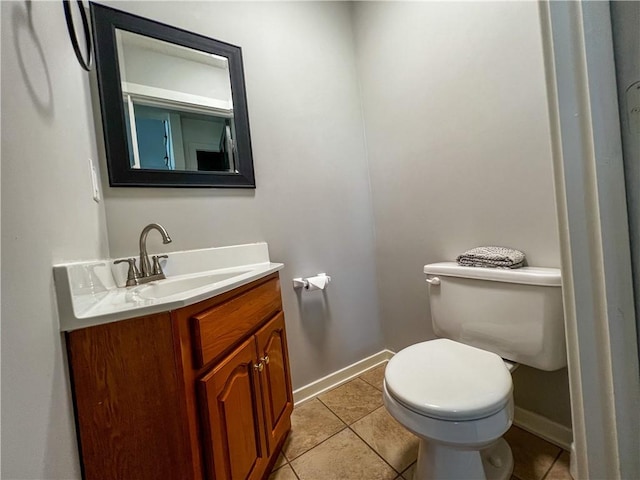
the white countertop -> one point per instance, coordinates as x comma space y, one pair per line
92, 293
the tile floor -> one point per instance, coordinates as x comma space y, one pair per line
346, 434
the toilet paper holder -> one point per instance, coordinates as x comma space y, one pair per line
307, 283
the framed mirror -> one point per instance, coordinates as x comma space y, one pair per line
173, 104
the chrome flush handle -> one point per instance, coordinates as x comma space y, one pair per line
433, 281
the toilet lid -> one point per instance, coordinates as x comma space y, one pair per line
449, 380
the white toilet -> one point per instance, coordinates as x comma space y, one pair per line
455, 393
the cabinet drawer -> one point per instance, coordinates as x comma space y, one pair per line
221, 327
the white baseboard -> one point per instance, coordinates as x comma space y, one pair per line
551, 431
341, 376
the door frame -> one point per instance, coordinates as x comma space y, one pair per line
600, 318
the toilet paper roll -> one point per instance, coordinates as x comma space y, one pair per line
319, 282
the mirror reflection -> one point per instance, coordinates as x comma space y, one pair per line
177, 105
173, 104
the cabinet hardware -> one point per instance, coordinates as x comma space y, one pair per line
265, 359
259, 366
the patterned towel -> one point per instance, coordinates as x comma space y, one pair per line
492, 257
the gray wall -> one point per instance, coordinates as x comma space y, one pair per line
312, 202
459, 152
48, 217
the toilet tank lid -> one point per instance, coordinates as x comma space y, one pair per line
544, 276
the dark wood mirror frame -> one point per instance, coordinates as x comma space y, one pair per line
105, 22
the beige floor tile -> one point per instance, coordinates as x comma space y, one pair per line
283, 473
311, 423
560, 469
392, 441
375, 376
353, 400
280, 461
408, 473
342, 457
532, 455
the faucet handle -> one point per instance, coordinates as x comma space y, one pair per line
157, 268
132, 274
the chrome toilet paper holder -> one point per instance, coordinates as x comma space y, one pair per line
303, 282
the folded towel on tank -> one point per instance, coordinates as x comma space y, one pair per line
492, 257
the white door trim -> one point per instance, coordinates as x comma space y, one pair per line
594, 237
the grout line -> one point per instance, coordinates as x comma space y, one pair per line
319, 443
290, 466
331, 410
347, 427
369, 383
552, 464
295, 474
286, 462
362, 417
289, 460
356, 420
373, 449
362, 439
374, 368
409, 467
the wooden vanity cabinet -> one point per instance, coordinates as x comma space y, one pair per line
202, 392
246, 405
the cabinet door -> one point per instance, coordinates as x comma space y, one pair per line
233, 420
276, 379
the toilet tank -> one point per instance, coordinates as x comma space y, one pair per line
516, 314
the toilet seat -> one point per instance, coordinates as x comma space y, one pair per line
477, 433
447, 380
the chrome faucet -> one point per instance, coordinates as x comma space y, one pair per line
147, 272
145, 268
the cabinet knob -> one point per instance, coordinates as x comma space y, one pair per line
259, 366
265, 359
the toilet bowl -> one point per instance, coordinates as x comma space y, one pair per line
459, 410
455, 393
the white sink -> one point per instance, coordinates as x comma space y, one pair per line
92, 293
166, 288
